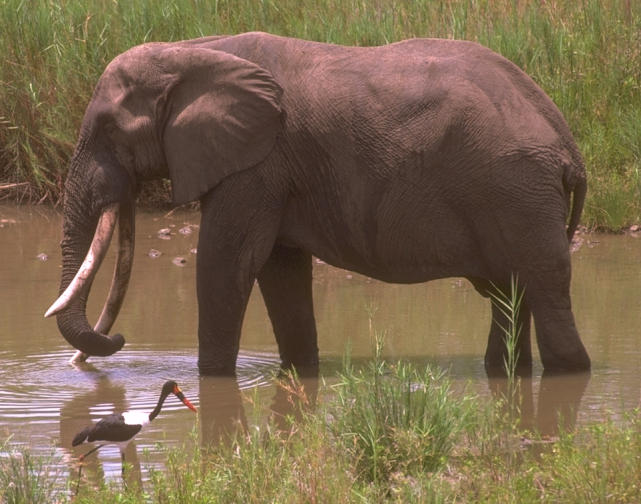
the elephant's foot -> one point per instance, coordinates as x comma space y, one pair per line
216, 369
577, 361
497, 369
304, 369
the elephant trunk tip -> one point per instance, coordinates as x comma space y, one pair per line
92, 343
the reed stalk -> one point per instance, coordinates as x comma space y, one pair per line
509, 304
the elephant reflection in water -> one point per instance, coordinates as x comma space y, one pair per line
558, 404
223, 412
75, 415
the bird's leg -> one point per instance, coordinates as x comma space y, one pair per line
82, 457
79, 476
122, 463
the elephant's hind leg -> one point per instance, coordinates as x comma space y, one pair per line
545, 272
286, 284
561, 349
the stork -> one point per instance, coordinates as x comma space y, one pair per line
121, 428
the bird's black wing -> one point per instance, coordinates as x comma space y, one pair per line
114, 429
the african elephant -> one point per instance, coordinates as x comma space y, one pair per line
407, 162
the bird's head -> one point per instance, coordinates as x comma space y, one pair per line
171, 387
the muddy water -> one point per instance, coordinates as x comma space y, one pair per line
44, 401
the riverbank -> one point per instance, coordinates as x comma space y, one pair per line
387, 432
588, 59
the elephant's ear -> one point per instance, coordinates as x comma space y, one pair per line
223, 115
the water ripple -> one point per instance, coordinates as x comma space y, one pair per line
43, 389
255, 369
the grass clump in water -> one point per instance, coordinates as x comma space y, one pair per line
396, 419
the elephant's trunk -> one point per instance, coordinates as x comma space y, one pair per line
78, 276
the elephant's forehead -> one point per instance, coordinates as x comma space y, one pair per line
133, 68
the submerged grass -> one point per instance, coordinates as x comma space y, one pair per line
586, 56
419, 443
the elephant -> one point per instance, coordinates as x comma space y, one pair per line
406, 162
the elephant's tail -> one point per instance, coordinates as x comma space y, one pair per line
579, 190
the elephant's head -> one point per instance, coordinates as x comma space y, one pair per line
181, 111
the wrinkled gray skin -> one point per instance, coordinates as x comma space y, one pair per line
408, 162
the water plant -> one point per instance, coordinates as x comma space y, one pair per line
396, 418
509, 304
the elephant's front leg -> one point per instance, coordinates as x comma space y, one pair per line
237, 234
222, 299
286, 284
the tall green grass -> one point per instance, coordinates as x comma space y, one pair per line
585, 54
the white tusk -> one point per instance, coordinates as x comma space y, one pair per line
120, 279
122, 270
91, 264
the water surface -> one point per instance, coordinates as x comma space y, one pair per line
44, 401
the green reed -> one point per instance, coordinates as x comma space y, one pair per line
587, 57
509, 304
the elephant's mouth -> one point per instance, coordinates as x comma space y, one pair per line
79, 287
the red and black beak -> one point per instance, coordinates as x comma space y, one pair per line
178, 393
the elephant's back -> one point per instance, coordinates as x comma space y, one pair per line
422, 95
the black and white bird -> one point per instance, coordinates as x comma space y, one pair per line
121, 428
